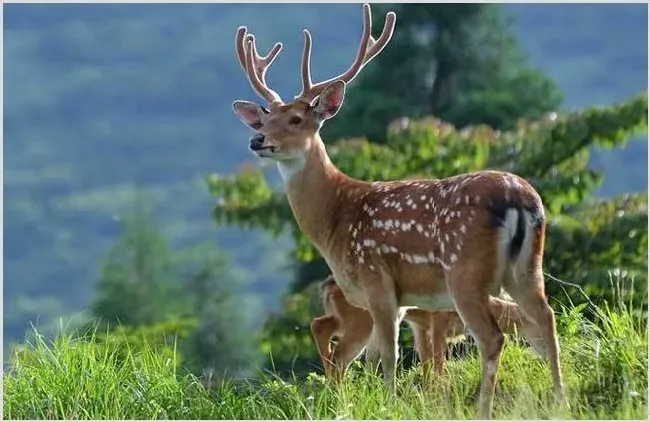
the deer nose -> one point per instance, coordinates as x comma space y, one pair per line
256, 141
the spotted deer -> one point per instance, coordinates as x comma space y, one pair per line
431, 331
437, 244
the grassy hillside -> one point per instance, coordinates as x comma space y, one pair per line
105, 101
604, 368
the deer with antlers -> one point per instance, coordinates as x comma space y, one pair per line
438, 244
431, 331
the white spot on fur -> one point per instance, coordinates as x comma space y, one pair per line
369, 242
419, 259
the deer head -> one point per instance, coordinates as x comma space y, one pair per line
285, 131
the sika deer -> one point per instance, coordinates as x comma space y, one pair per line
431, 330
439, 245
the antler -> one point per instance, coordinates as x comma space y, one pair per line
369, 48
255, 66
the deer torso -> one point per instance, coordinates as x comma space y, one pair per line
414, 232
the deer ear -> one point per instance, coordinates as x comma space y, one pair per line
249, 113
329, 102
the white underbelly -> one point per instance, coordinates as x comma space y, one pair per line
436, 302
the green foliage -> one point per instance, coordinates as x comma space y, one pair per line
149, 293
585, 244
161, 338
458, 62
136, 283
286, 336
604, 362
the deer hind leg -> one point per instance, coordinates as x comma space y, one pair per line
472, 304
526, 286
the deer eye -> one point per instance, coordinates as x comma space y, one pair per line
265, 110
295, 120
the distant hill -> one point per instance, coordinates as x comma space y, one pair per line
103, 100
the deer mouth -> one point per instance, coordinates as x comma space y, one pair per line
264, 151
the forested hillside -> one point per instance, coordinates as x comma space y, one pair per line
104, 102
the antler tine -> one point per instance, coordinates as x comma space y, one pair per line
368, 49
256, 66
376, 46
258, 85
240, 46
305, 69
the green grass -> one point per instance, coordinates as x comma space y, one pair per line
605, 366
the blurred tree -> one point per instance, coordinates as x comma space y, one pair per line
148, 291
136, 283
586, 239
458, 62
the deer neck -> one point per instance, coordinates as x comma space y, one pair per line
314, 188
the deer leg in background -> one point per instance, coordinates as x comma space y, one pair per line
439, 331
422, 344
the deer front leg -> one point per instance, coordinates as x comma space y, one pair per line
382, 305
372, 353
